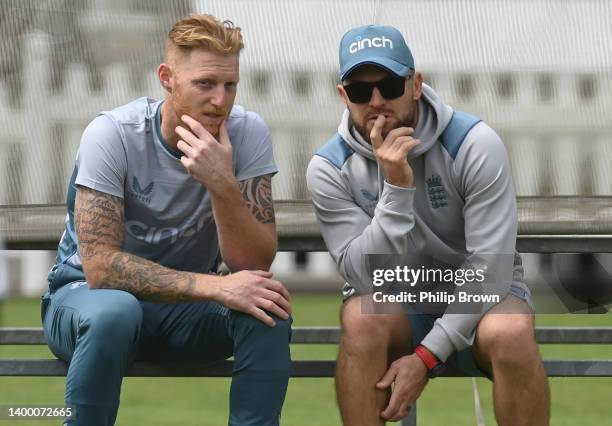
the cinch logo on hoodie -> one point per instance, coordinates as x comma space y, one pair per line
360, 44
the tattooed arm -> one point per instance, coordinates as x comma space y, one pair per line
99, 223
244, 216
243, 211
257, 193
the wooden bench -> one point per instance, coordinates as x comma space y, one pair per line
303, 335
546, 225
319, 368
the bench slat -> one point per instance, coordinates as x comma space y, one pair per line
574, 335
330, 335
55, 368
524, 244
546, 225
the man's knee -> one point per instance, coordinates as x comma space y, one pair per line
259, 347
115, 319
249, 325
508, 339
365, 332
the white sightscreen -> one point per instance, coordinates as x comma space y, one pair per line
539, 72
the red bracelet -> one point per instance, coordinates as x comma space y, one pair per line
427, 357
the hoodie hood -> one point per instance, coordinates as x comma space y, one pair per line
434, 116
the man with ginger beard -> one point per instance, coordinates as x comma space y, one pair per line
406, 176
161, 191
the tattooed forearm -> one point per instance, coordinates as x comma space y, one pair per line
99, 223
257, 192
149, 280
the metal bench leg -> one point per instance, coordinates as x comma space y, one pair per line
410, 419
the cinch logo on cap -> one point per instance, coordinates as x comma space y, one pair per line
383, 41
379, 45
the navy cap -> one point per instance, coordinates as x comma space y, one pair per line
377, 45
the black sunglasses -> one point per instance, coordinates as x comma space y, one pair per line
390, 87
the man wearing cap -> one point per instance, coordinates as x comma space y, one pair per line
408, 175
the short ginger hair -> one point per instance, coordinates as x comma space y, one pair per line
207, 32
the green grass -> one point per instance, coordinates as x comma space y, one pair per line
197, 401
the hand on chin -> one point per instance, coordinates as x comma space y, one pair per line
211, 125
213, 129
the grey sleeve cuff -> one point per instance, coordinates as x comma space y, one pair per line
438, 342
396, 198
99, 186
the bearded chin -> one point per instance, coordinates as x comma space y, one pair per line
213, 130
408, 122
361, 130
365, 133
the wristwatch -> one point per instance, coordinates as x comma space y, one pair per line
435, 367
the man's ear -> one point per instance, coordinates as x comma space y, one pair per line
164, 73
417, 85
342, 94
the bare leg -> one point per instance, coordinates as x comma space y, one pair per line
369, 343
505, 345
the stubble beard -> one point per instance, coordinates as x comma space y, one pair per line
180, 109
409, 121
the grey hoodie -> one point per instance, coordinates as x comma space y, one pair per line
462, 204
